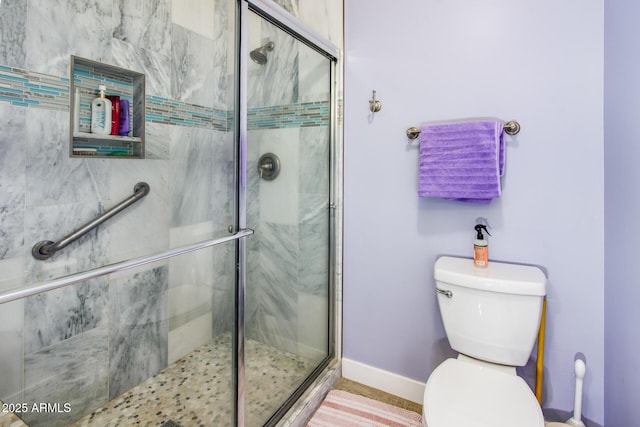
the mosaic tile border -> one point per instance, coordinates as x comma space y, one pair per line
286, 116
27, 89
171, 112
24, 88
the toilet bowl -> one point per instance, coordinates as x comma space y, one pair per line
462, 392
491, 317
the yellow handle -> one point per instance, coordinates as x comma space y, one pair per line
540, 355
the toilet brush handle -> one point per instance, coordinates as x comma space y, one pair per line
580, 370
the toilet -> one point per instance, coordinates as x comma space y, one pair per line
491, 317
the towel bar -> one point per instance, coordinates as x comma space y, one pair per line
511, 128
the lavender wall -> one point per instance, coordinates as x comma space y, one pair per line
622, 151
537, 62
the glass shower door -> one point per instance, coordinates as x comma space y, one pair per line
288, 206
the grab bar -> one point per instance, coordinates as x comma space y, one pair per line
19, 293
46, 248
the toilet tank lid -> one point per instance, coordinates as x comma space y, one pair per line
496, 277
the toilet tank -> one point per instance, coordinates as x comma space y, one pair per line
491, 313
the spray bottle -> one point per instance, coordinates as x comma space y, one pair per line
480, 247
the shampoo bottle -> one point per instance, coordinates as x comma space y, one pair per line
124, 123
101, 113
115, 113
480, 247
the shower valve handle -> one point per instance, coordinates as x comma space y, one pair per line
268, 166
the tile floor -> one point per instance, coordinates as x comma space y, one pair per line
197, 390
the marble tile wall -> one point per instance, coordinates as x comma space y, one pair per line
87, 343
75, 372
13, 17
288, 256
61, 314
287, 282
11, 352
138, 331
12, 169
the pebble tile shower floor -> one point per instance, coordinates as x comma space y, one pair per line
196, 390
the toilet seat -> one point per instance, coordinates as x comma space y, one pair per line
461, 393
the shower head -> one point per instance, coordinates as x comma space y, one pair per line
259, 55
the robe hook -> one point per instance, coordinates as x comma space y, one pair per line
374, 104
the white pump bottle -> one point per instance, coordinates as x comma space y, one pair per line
101, 113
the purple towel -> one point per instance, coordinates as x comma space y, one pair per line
461, 161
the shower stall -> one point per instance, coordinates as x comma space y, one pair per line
211, 298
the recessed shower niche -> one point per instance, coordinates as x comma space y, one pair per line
129, 86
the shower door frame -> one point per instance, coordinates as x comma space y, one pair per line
277, 16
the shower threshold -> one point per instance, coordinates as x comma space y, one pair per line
197, 389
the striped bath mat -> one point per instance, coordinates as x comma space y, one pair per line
343, 409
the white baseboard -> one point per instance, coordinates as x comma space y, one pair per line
389, 382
